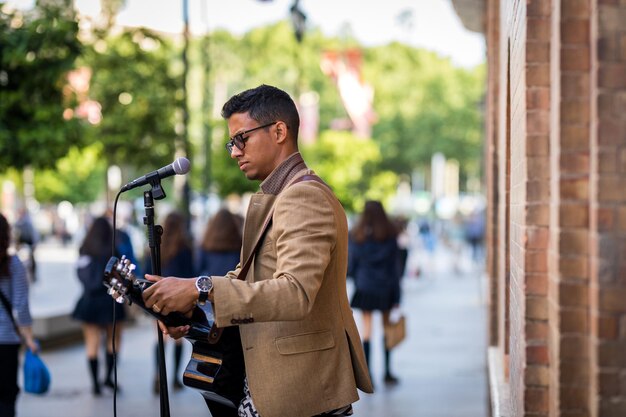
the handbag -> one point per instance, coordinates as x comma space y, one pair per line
395, 330
36, 373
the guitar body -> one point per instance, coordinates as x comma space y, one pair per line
216, 367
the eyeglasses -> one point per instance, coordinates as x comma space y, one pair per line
239, 141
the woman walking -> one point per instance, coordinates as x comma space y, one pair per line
373, 264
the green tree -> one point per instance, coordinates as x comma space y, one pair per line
139, 94
425, 105
77, 177
351, 166
37, 50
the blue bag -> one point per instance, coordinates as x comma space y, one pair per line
36, 374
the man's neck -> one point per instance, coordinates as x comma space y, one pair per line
283, 173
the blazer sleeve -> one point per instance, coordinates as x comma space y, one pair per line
304, 232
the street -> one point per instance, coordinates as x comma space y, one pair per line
441, 364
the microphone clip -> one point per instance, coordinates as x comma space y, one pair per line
155, 182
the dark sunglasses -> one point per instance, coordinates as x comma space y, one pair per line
239, 141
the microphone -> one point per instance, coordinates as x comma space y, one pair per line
179, 167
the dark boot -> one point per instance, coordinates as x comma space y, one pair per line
178, 353
110, 358
389, 378
366, 350
93, 368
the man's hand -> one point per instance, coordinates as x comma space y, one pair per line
174, 332
170, 294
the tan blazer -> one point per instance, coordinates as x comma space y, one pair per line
301, 345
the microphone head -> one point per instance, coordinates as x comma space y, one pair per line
181, 166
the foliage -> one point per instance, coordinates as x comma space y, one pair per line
424, 106
351, 166
78, 177
139, 95
37, 50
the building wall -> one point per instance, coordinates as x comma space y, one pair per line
556, 186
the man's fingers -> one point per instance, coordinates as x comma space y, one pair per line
153, 278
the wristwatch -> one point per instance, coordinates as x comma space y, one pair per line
204, 284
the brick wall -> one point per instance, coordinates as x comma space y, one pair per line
608, 210
556, 136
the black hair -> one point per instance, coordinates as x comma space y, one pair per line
265, 104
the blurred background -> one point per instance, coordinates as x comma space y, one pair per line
95, 93
391, 102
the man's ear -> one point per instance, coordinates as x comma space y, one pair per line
281, 132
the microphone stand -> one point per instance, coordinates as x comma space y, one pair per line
154, 241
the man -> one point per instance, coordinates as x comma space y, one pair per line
302, 350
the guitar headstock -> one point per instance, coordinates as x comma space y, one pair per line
119, 277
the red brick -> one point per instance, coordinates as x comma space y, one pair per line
575, 137
611, 189
575, 85
537, 355
574, 320
536, 262
608, 382
536, 330
613, 300
575, 111
573, 295
607, 161
537, 237
575, 215
537, 284
574, 189
537, 52
573, 242
538, 29
575, 31
574, 267
574, 347
610, 132
536, 308
538, 75
573, 398
607, 327
612, 354
608, 49
537, 145
538, 98
576, 58
537, 122
575, 9
606, 219
574, 162
536, 400
612, 75
537, 375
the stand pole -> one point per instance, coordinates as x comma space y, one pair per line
154, 241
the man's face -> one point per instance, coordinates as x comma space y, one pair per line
260, 154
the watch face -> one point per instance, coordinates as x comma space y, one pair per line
204, 284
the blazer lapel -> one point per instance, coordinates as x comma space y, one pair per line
258, 211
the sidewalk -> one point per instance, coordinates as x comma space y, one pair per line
441, 364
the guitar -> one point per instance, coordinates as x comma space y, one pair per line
216, 367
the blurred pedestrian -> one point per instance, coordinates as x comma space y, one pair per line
221, 244
14, 288
373, 264
28, 237
176, 260
95, 308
